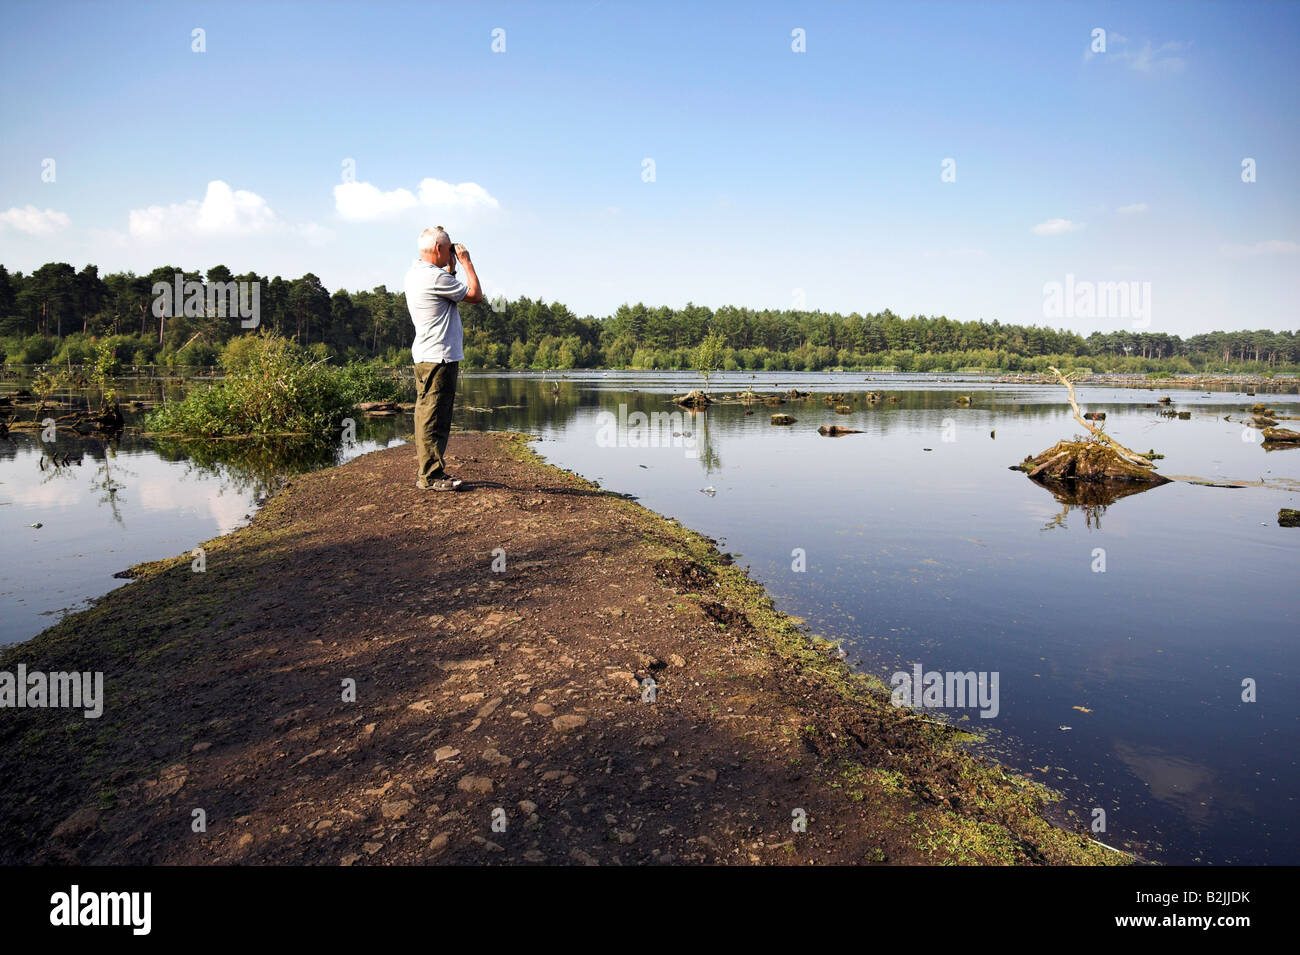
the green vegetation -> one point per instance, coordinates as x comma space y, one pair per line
273, 387
59, 315
708, 356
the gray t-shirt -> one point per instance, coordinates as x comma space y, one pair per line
431, 296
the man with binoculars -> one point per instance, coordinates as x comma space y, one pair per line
432, 292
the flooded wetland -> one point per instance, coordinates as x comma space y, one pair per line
1132, 648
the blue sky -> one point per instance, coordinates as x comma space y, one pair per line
781, 178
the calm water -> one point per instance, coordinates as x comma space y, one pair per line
128, 500
1121, 687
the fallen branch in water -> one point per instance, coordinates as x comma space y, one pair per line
1096, 429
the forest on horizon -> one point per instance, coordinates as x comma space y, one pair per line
57, 314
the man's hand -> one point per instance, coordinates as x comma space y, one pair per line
475, 293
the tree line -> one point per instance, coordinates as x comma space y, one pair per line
57, 314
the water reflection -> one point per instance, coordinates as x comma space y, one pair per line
254, 465
1186, 785
75, 509
1090, 497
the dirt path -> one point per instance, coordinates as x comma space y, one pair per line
486, 700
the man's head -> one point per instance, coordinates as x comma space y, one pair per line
435, 246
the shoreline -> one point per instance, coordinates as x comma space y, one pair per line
1284, 382
1248, 383
500, 716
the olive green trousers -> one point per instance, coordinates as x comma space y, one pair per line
435, 394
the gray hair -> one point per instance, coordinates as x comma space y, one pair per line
431, 238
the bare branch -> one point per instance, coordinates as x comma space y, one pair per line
1095, 430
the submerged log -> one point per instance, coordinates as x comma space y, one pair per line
783, 419
1287, 517
1281, 435
1087, 461
694, 399
834, 431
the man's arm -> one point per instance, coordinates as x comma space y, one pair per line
475, 293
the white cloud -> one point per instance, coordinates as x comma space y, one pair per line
364, 202
467, 195
1056, 227
1267, 247
223, 211
1135, 209
360, 201
33, 221
1148, 59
